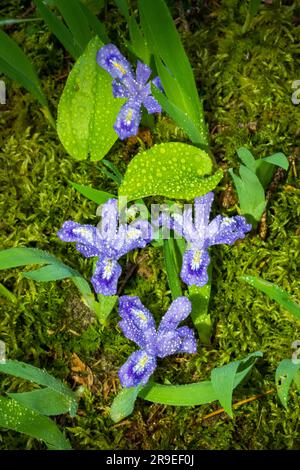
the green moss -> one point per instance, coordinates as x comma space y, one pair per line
246, 82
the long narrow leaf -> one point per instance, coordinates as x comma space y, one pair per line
199, 296
164, 41
40, 377
44, 400
57, 27
93, 194
15, 416
94, 23
274, 292
172, 273
76, 21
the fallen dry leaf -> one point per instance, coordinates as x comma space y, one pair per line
81, 373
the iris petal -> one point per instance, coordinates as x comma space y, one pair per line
227, 229
179, 309
151, 105
110, 58
128, 119
194, 267
86, 237
143, 72
106, 276
137, 369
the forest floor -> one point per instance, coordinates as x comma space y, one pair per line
246, 82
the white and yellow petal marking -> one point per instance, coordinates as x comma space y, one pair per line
196, 260
85, 233
140, 314
133, 233
119, 67
141, 364
128, 117
108, 269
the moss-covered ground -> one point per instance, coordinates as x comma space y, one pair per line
246, 82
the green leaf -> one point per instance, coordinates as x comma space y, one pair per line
17, 417
44, 401
87, 109
106, 304
76, 21
250, 192
6, 293
51, 272
100, 197
40, 377
14, 63
254, 7
138, 42
57, 27
180, 117
278, 159
96, 26
274, 292
198, 393
164, 42
285, 374
247, 158
55, 269
172, 272
199, 296
193, 394
123, 403
173, 170
21, 256
10, 21
123, 7
95, 6
222, 379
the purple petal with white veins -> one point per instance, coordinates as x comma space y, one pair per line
86, 236
137, 369
151, 105
110, 58
202, 210
167, 342
106, 275
119, 90
188, 342
190, 232
143, 72
135, 235
108, 225
157, 82
179, 309
128, 119
132, 309
227, 229
194, 267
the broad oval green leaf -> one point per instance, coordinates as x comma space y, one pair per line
87, 109
174, 170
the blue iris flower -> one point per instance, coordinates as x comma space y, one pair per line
108, 241
137, 89
201, 234
138, 325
